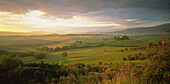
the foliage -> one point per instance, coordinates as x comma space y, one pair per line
157, 68
8, 62
3, 52
151, 44
121, 50
64, 54
124, 58
100, 63
39, 55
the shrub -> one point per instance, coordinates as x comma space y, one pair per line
100, 63
102, 44
95, 69
57, 48
64, 54
121, 50
39, 55
157, 67
142, 58
151, 44
131, 58
3, 52
8, 62
136, 57
80, 65
105, 63
140, 53
124, 58
135, 54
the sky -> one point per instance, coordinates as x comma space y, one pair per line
70, 16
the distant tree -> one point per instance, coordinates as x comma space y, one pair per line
142, 58
126, 48
79, 42
124, 58
64, 54
65, 47
72, 45
121, 50
44, 49
102, 44
100, 63
51, 50
115, 37
131, 58
125, 37
3, 52
136, 56
57, 48
151, 44
39, 55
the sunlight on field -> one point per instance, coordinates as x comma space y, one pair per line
92, 54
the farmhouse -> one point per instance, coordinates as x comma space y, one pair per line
120, 37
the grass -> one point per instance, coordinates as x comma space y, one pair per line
150, 37
94, 42
87, 55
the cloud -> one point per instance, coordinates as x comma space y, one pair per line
125, 12
34, 21
68, 8
132, 20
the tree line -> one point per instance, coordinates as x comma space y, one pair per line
71, 46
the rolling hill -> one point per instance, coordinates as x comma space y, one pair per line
164, 28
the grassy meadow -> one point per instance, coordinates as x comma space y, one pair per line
85, 55
108, 53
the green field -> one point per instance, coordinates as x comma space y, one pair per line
85, 55
109, 52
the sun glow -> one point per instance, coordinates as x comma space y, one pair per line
38, 20
35, 13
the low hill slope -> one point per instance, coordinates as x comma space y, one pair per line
164, 28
